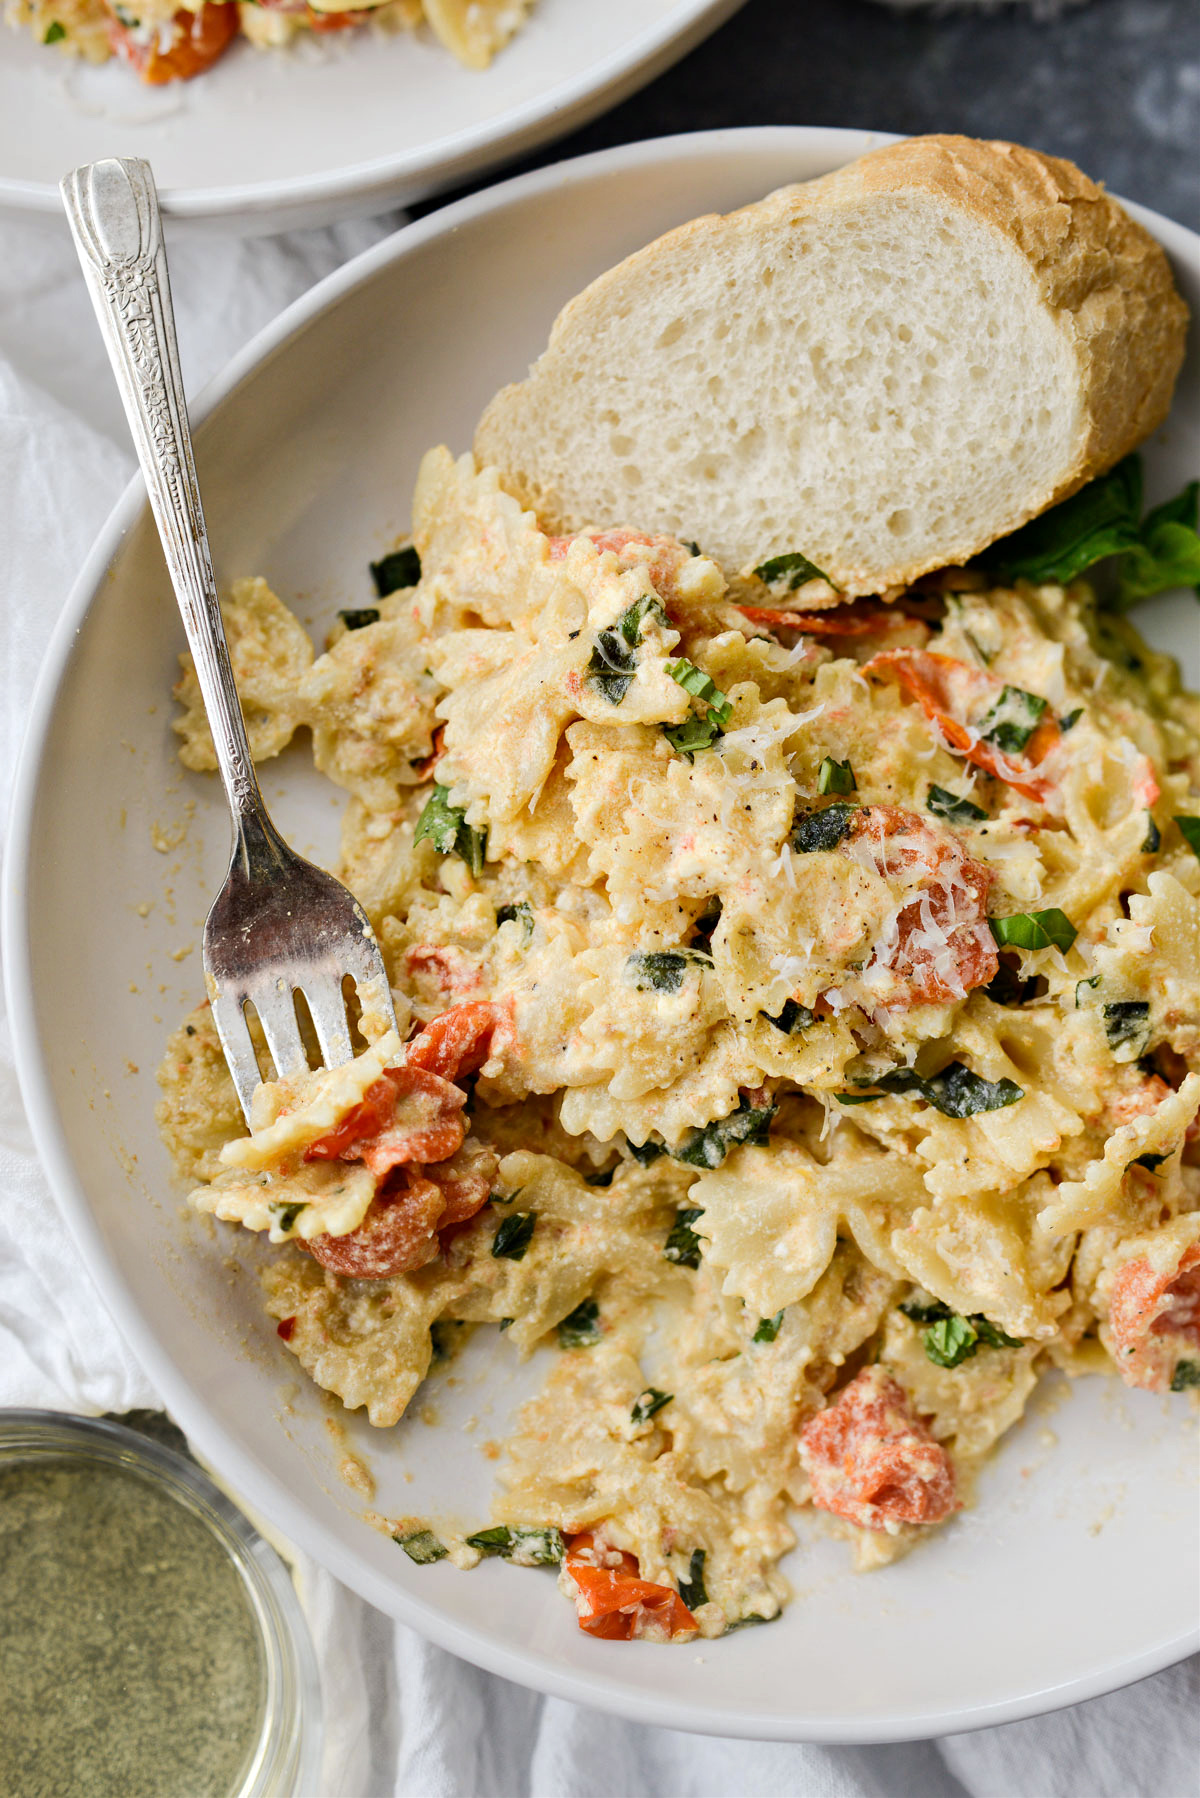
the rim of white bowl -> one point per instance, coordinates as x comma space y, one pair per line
261, 1488
411, 174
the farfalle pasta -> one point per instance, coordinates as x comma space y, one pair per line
799, 1031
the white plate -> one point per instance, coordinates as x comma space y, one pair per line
337, 125
1076, 1570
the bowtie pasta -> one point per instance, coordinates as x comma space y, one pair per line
821, 984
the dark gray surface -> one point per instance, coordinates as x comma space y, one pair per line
1113, 84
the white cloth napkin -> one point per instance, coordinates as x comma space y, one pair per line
402, 1717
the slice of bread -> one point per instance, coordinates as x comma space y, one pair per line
885, 369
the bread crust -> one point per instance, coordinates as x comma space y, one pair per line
1104, 280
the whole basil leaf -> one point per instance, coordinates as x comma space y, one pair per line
1100, 520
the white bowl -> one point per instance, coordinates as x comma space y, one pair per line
1075, 1571
356, 122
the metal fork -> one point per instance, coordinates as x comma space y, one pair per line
279, 926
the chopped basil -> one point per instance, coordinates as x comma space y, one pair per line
951, 1340
645, 1152
603, 1178
1012, 720
648, 1403
709, 1146
1071, 719
422, 1546
1079, 986
1153, 838
836, 777
956, 1092
658, 970
694, 547
630, 622
1187, 1373
768, 1328
400, 568
514, 1236
1050, 929
1126, 1021
520, 913
815, 831
692, 1589
693, 735
582, 1328
1102, 519
524, 1547
55, 33
447, 829
683, 1245
948, 805
359, 619
506, 1323
286, 1215
697, 733
612, 666
920, 1313
750, 1617
792, 1018
1152, 1162
788, 572
1190, 828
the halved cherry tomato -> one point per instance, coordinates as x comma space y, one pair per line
1153, 1317
854, 620
398, 1234
456, 1043
408, 1115
613, 1601
943, 687
872, 1461
197, 39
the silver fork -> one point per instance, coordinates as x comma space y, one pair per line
279, 926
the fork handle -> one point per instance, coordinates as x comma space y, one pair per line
112, 209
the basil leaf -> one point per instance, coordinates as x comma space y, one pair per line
1070, 720
1126, 1021
612, 666
790, 571
360, 619
836, 777
693, 735
1012, 720
813, 832
401, 568
933, 1312
645, 1152
683, 1245
1153, 840
709, 1146
648, 1404
286, 1215
691, 1589
658, 970
751, 1617
950, 1341
1050, 929
1168, 553
630, 622
1187, 1373
520, 913
956, 1092
538, 1547
1079, 986
55, 32
1151, 1162
693, 680
514, 1236
1100, 520
792, 1018
948, 805
447, 829
497, 1541
422, 1546
768, 1328
582, 1328
1190, 829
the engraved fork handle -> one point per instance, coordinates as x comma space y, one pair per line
112, 209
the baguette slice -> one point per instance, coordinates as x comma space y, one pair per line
885, 369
